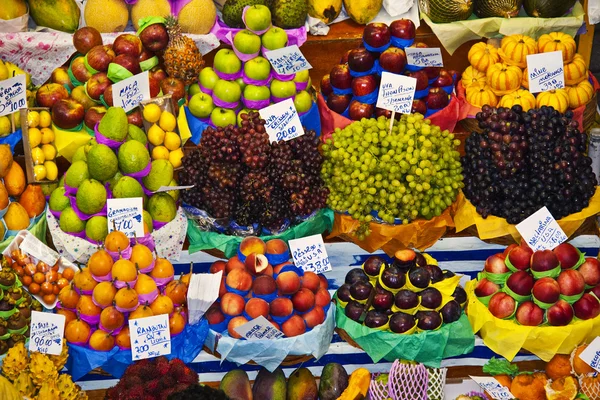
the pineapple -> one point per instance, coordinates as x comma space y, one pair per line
182, 58
60, 360
15, 361
42, 369
24, 384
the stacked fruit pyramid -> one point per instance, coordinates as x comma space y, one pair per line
162, 133
499, 76
261, 281
411, 294
553, 287
97, 173
36, 375
242, 79
352, 86
121, 282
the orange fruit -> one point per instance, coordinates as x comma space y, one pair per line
579, 366
559, 366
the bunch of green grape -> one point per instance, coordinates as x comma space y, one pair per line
411, 172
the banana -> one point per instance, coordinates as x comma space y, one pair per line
325, 10
14, 70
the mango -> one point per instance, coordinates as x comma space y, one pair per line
302, 385
33, 200
270, 385
16, 217
6, 159
334, 380
62, 15
12, 9
362, 11
14, 180
236, 385
3, 197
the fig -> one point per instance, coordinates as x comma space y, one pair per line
451, 311
419, 277
356, 275
431, 298
343, 293
393, 277
460, 295
375, 319
373, 265
435, 272
405, 299
428, 320
361, 290
401, 322
354, 310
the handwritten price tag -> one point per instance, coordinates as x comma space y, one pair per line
258, 329
150, 337
46, 333
309, 254
126, 215
287, 60
591, 354
493, 387
546, 71
396, 92
429, 57
130, 92
283, 122
13, 95
541, 231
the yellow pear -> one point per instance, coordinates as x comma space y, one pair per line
14, 180
16, 217
6, 159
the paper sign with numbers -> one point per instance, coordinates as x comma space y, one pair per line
419, 57
541, 231
287, 60
309, 254
126, 215
396, 92
13, 95
258, 329
130, 92
150, 337
282, 121
591, 354
546, 71
46, 333
493, 387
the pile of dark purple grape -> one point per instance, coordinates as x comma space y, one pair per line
240, 176
523, 161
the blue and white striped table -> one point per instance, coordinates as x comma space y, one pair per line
461, 255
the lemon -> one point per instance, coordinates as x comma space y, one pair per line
49, 151
172, 141
37, 155
4, 126
17, 120
33, 119
167, 121
45, 119
160, 153
35, 137
47, 135
156, 135
39, 172
152, 113
51, 170
175, 157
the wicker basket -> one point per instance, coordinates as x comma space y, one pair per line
288, 361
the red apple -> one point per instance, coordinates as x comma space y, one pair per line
418, 106
108, 96
543, 260
486, 288
97, 85
529, 314
590, 269
340, 77
560, 314
456, 75
586, 307
421, 77
79, 70
443, 79
135, 118
344, 59
364, 85
50, 93
403, 29
79, 95
437, 98
509, 248
360, 60
520, 282
571, 282
338, 102
128, 62
128, 43
67, 113
432, 72
99, 57
386, 113
567, 254
502, 305
93, 116
84, 39
61, 76
393, 60
326, 88
520, 257
156, 76
174, 87
546, 290
377, 34
155, 37
495, 264
358, 110
145, 55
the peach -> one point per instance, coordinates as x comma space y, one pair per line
311, 281
495, 264
239, 279
571, 282
595, 291
281, 307
288, 282
256, 307
233, 263
217, 266
502, 305
275, 324
214, 315
276, 246
314, 317
590, 269
294, 326
303, 300
234, 323
529, 314
324, 283
520, 257
509, 248
544, 260
232, 304
222, 287
256, 264
268, 270
252, 244
560, 314
322, 298
567, 254
520, 282
586, 307
278, 267
546, 290
486, 288
263, 285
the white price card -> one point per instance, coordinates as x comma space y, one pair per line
591, 354
546, 71
541, 231
130, 92
46, 333
126, 215
169, 188
424, 57
258, 329
396, 92
150, 337
309, 254
37, 249
13, 95
283, 122
492, 387
287, 60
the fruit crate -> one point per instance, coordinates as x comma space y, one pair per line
28, 151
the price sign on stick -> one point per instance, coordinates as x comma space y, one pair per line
428, 57
546, 71
258, 329
46, 333
150, 337
130, 92
13, 95
396, 93
309, 254
541, 231
591, 354
287, 60
283, 122
126, 215
493, 387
